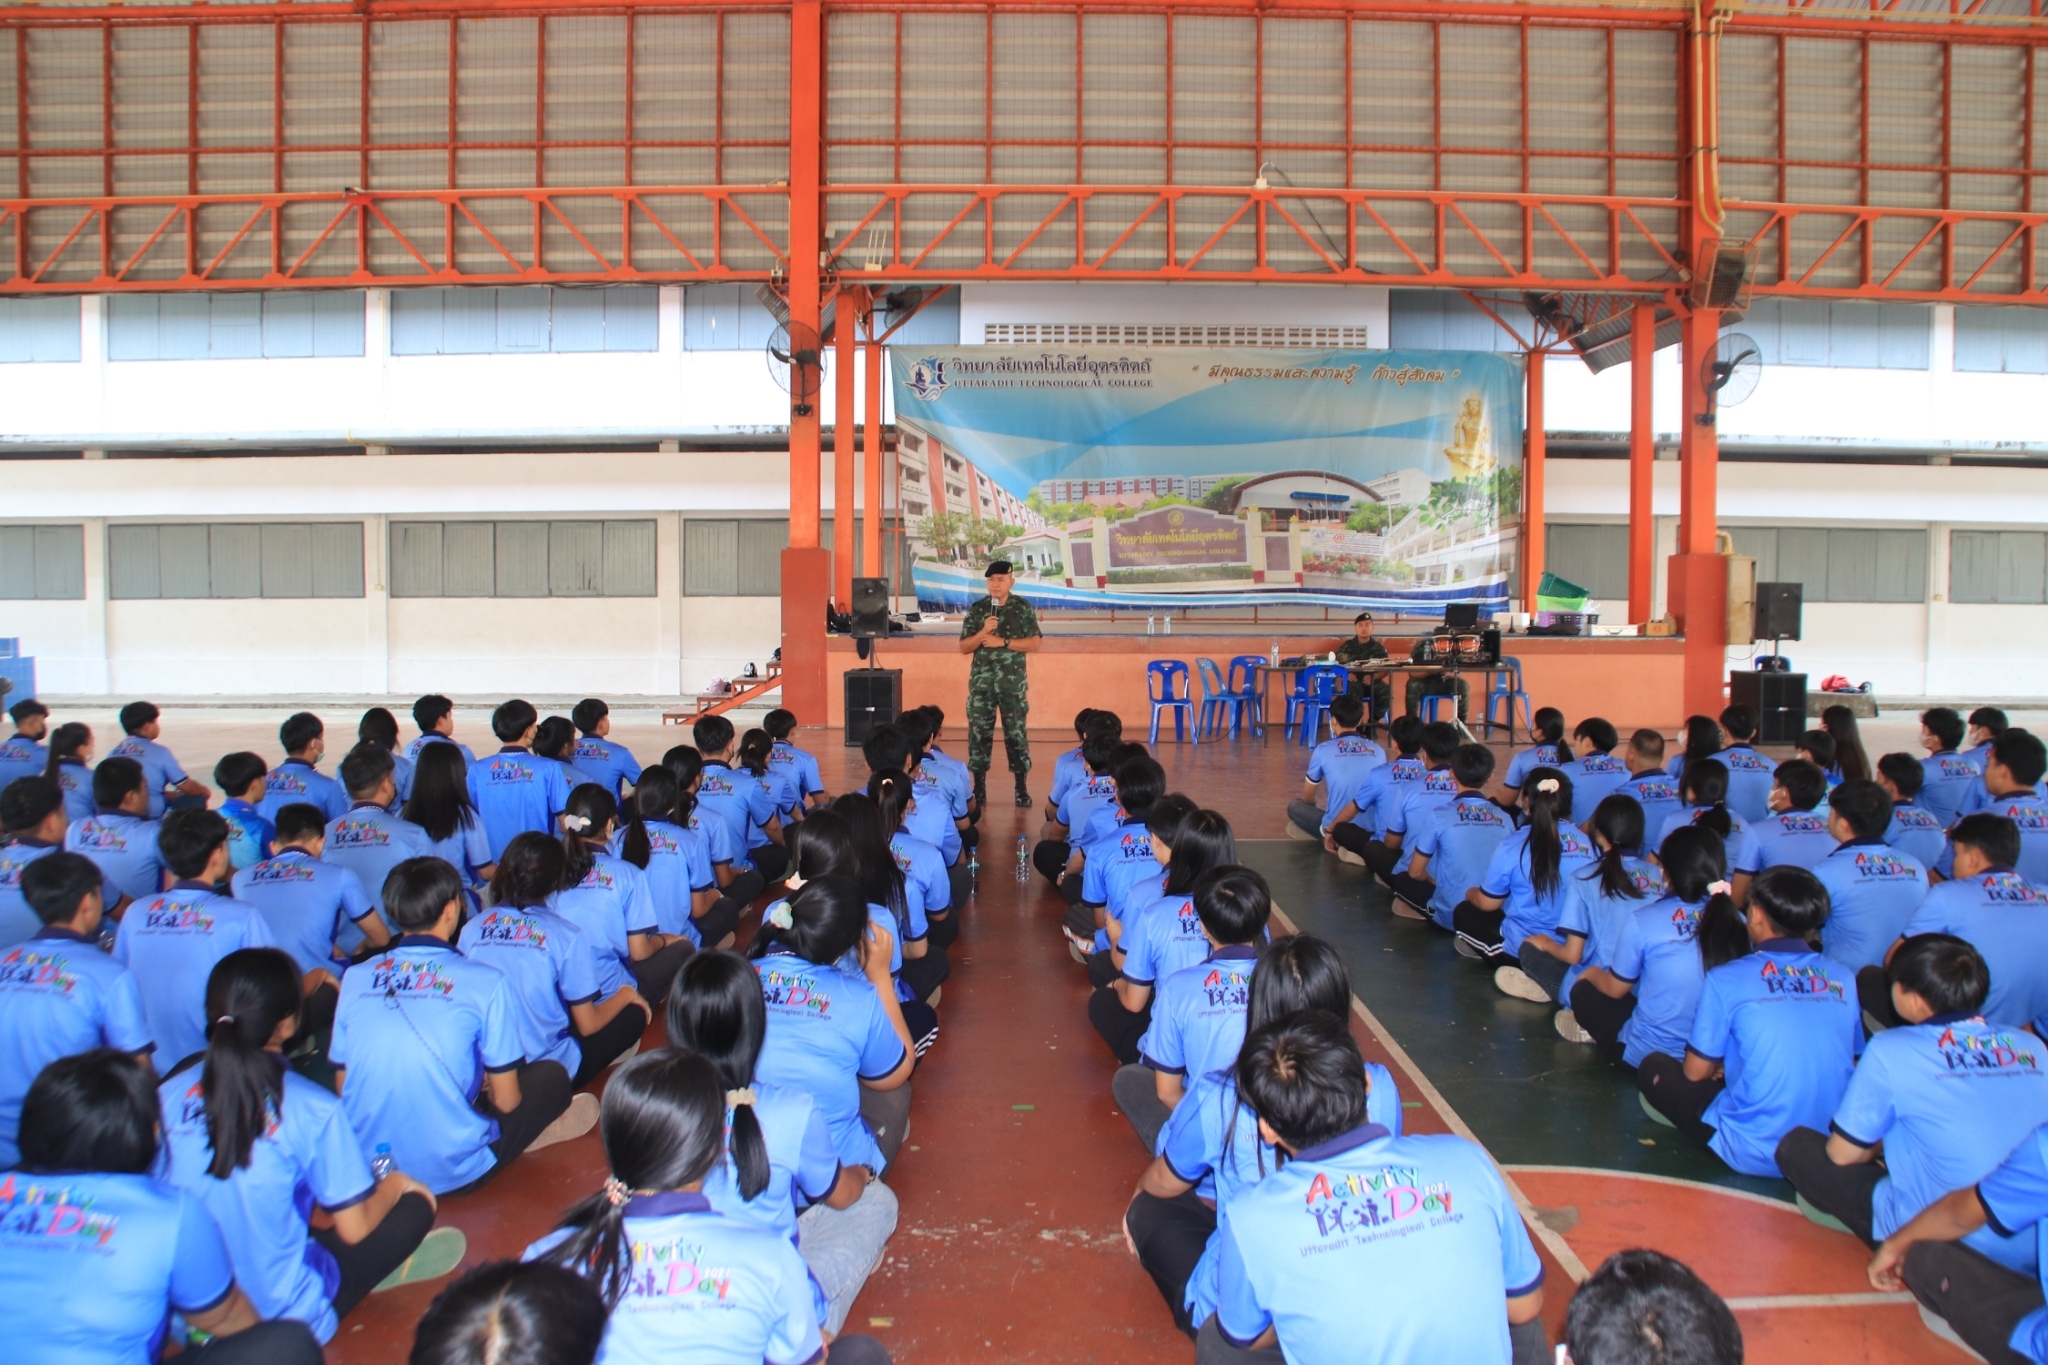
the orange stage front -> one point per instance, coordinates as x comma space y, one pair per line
1632, 682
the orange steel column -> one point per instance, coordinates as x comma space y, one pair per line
852, 302
1642, 454
871, 468
1532, 545
806, 569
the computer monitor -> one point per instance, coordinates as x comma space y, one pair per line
1461, 615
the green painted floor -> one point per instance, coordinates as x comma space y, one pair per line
1532, 1098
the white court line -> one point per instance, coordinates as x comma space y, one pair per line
1783, 1206
1870, 1300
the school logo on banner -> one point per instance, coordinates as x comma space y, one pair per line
928, 377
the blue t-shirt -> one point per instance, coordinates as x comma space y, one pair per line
2030, 813
467, 850
1527, 760
1590, 913
1784, 1022
1595, 777
1438, 787
369, 841
412, 750
1069, 768
417, 1027
1198, 1019
931, 815
800, 766
307, 1155
1381, 793
1164, 937
1093, 793
297, 781
1873, 892
739, 801
1739, 847
171, 942
401, 777
17, 920
827, 1032
803, 1165
1459, 839
1117, 859
59, 996
1908, 1092
610, 905
610, 764
1341, 763
75, 780
91, 1262
160, 768
1657, 793
251, 837
305, 901
678, 866
21, 757
1946, 779
123, 847
2015, 1199
1656, 953
1751, 776
2005, 918
705, 1288
1916, 830
514, 792
1508, 879
1797, 837
549, 966
1409, 1216
924, 873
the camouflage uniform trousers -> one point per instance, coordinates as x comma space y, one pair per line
992, 688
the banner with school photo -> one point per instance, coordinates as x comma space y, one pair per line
1186, 477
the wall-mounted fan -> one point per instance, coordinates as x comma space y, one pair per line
1731, 373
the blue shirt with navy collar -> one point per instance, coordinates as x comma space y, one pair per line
1751, 776
294, 782
21, 756
1873, 891
171, 942
2005, 918
59, 995
1918, 831
160, 768
1946, 780
1198, 1020
17, 920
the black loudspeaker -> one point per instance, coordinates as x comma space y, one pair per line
1777, 699
874, 696
1777, 611
870, 609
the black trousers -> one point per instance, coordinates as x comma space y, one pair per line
1352, 838
1480, 928
543, 1095
1545, 970
1603, 1017
770, 860
1414, 890
943, 931
1379, 859
1118, 1026
654, 976
1978, 1297
279, 1342
926, 974
1050, 856
1081, 920
1661, 1077
923, 1022
1874, 993
724, 915
603, 1047
1171, 1235
364, 1265
1843, 1192
960, 882
316, 1016
1101, 968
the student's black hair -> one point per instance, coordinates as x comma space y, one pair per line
1989, 718
1695, 859
1547, 800
300, 729
1298, 972
1643, 1308
1108, 722
1203, 841
1234, 903
1739, 721
365, 766
1850, 759
417, 891
248, 994
237, 772
1945, 725
25, 709
512, 1313
822, 846
1618, 821
686, 762
1168, 816
92, 1111
137, 714
1549, 730
1865, 806
1791, 898
1647, 746
1819, 745
654, 798
1702, 740
1599, 732
299, 820
2022, 755
754, 748
28, 801
187, 838
379, 727
439, 803
1303, 1075
512, 720
588, 712
892, 794
113, 779
715, 1010
1406, 734
1440, 739
711, 734
1904, 772
916, 730
67, 742
1807, 785
780, 724
529, 871
1140, 782
887, 749
1347, 710
56, 885
828, 918
1945, 971
1472, 765
1082, 719
662, 1121
1994, 836
1705, 785
598, 809
1098, 751
555, 738
881, 880
430, 711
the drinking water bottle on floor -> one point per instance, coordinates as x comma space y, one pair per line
973, 870
382, 1163
1023, 859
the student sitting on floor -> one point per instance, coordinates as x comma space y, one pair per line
1529, 876
1100, 827
956, 775
943, 793
1642, 999
379, 727
252, 835
559, 1010
1293, 1248
554, 741
298, 778
800, 764
59, 994
1909, 1092
435, 717
1776, 1032
1595, 772
1751, 775
1602, 896
1818, 748
306, 901
1649, 785
664, 1135
607, 898
1852, 762
1338, 764
1197, 1023
368, 839
609, 763
1455, 842
924, 872
506, 1313
1947, 776
1992, 908
752, 755
1873, 888
2011, 770
1163, 937
1705, 788
70, 767
851, 1052
514, 791
161, 771
1643, 1308
89, 1152
1913, 829
688, 901
32, 814
720, 844
117, 837
1210, 1148
1118, 854
440, 805
265, 1150
1356, 817
1549, 751
23, 755
426, 1048
1985, 724
1056, 855
1796, 832
1700, 739
897, 749
738, 799
1163, 822
781, 1171
921, 966
1072, 765
1438, 787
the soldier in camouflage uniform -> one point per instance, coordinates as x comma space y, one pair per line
1361, 648
999, 631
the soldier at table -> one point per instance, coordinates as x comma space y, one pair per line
1422, 685
1361, 648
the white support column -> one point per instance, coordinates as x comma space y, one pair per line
668, 591
96, 645
377, 589
1936, 672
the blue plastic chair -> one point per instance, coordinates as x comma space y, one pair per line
1436, 706
1216, 700
1243, 679
1167, 683
1507, 690
1323, 683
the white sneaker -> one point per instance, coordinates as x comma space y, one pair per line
1467, 948
1345, 855
579, 1118
628, 1055
1295, 831
1568, 1027
1518, 983
1406, 911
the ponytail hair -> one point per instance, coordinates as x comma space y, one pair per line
67, 742
532, 868
1549, 728
754, 749
716, 1012
1696, 868
1202, 842
1618, 825
595, 810
663, 1125
828, 918
1706, 784
248, 994
1546, 796
881, 881
891, 793
654, 798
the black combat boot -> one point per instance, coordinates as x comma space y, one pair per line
1023, 793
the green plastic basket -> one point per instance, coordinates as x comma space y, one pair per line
1559, 594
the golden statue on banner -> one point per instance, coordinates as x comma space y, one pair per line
1470, 453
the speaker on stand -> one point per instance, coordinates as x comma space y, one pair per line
1775, 694
874, 695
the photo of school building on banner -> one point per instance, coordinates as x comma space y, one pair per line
1192, 477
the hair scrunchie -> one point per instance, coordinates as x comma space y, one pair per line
616, 1192
735, 1098
575, 824
780, 915
1720, 889
1547, 786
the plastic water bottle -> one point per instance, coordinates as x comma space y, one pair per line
382, 1163
973, 869
1275, 657
1023, 859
